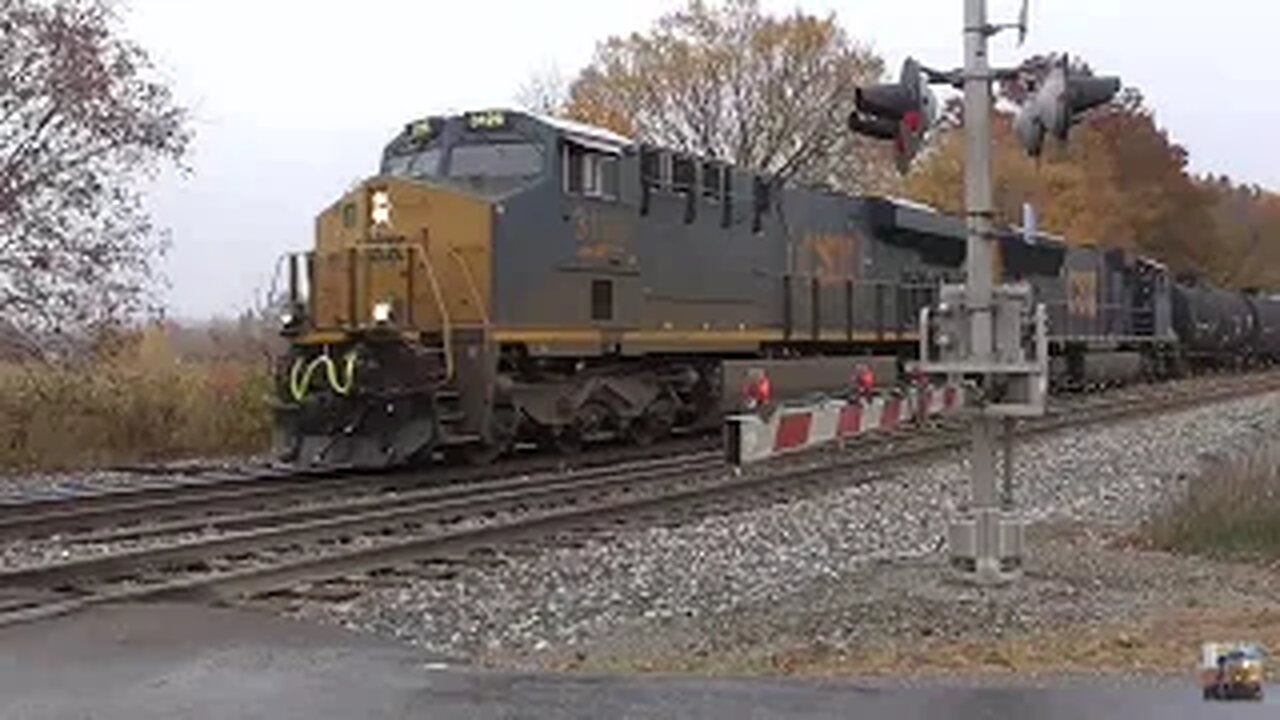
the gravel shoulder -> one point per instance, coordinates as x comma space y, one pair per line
852, 582
1088, 604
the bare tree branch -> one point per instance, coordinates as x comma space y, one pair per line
545, 92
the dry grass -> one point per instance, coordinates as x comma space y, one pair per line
1166, 643
1231, 510
143, 401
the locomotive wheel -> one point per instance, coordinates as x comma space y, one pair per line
653, 425
568, 441
591, 418
503, 434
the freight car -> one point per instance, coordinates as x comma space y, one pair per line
510, 277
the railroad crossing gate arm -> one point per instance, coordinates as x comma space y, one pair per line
788, 429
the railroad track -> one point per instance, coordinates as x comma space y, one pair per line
254, 554
182, 502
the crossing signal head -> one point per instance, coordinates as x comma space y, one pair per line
902, 112
1058, 103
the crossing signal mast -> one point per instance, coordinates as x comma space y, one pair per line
991, 335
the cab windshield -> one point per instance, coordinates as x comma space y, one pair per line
494, 167
422, 164
499, 160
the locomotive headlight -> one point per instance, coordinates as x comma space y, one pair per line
382, 313
291, 320
380, 208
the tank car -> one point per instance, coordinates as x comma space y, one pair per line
1214, 326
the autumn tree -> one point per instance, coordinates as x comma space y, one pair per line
1246, 233
734, 83
84, 124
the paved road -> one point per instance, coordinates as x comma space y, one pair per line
176, 661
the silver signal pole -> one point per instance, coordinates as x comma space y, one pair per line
979, 334
980, 262
994, 335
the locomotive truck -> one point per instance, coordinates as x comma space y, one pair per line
508, 278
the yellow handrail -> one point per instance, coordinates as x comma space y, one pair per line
471, 287
446, 323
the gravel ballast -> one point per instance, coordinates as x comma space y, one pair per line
850, 573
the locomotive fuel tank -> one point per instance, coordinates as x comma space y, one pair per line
1095, 369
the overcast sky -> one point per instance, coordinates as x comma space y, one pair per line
294, 98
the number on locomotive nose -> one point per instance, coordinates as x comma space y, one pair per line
386, 255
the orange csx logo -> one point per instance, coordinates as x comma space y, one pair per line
1083, 293
831, 258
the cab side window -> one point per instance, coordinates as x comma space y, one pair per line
572, 159
589, 172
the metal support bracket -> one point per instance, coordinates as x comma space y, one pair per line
1011, 377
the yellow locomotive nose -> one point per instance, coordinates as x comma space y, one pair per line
393, 253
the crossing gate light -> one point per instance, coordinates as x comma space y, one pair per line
902, 112
1058, 103
757, 392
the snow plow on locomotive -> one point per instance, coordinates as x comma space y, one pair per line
509, 278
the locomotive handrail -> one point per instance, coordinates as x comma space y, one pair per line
446, 323
471, 287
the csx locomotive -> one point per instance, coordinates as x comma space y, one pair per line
508, 277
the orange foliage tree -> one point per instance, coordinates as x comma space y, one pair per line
732, 82
1120, 182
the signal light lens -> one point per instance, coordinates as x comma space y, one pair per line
864, 380
913, 122
757, 391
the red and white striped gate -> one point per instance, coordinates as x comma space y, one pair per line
751, 438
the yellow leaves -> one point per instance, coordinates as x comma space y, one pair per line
731, 82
